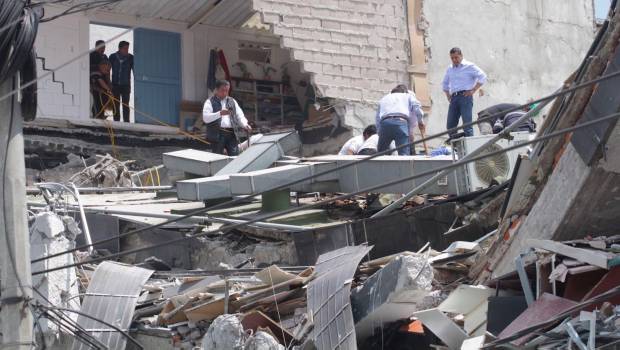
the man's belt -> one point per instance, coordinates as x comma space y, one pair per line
230, 130
462, 92
393, 117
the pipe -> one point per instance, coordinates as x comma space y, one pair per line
84, 190
76, 194
398, 203
267, 225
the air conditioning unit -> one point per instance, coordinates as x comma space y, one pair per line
479, 174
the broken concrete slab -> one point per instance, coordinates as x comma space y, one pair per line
391, 294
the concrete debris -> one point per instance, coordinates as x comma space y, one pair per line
51, 234
106, 172
225, 333
262, 341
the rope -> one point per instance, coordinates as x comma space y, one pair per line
155, 119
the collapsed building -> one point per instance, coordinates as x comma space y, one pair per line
276, 249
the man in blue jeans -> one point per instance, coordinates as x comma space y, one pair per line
460, 83
398, 114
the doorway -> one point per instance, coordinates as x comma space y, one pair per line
105, 32
158, 76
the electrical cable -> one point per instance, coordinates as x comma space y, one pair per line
337, 168
124, 333
341, 197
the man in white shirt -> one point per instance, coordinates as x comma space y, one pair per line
224, 119
397, 116
462, 80
356, 143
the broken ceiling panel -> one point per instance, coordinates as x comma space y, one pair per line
111, 296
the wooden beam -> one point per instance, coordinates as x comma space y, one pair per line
418, 70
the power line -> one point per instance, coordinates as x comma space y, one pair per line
344, 196
338, 168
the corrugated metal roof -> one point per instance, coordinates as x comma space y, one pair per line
329, 298
111, 296
228, 13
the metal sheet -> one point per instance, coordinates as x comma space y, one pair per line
443, 327
363, 175
111, 296
543, 309
502, 311
329, 298
604, 101
266, 179
195, 162
257, 157
204, 188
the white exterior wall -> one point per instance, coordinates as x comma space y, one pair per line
58, 42
527, 48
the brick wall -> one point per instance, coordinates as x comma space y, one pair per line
355, 50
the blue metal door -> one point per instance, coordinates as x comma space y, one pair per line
157, 75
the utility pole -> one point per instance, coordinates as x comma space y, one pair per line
15, 276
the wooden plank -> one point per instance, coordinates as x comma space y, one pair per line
418, 75
587, 256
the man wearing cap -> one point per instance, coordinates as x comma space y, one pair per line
462, 80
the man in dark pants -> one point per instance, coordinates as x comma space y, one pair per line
460, 83
397, 116
122, 66
224, 119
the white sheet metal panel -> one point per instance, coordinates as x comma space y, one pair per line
204, 188
195, 162
111, 296
389, 168
443, 327
266, 179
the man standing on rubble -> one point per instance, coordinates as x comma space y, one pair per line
460, 83
224, 119
397, 116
